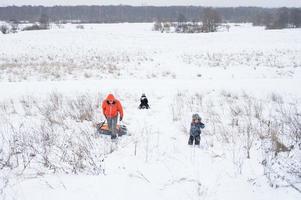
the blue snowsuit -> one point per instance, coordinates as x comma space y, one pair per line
195, 132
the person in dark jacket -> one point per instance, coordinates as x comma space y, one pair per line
195, 130
143, 102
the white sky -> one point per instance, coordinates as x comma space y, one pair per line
217, 3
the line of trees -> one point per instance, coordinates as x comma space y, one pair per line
115, 14
269, 17
280, 18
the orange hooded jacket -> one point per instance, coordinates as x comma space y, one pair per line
111, 109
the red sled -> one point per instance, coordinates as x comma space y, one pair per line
103, 128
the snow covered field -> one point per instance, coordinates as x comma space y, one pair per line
134, 51
244, 83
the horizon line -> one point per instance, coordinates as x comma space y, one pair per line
147, 5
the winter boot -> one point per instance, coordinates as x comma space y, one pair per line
197, 140
113, 137
190, 141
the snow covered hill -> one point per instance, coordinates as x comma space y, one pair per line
244, 84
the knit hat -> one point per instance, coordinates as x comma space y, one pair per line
196, 116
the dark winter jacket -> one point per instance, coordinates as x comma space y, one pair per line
144, 101
195, 128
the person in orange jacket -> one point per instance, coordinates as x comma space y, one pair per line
111, 107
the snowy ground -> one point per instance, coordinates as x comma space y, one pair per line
132, 50
239, 81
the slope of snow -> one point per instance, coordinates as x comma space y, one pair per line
154, 162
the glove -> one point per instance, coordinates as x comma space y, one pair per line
120, 118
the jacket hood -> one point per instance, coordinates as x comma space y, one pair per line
111, 97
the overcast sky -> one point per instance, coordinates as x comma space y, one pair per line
214, 3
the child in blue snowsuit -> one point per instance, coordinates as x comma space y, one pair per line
195, 130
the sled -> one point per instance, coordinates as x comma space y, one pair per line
143, 107
103, 128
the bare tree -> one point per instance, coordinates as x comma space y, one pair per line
211, 20
44, 21
181, 19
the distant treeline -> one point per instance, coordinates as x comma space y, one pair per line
115, 14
